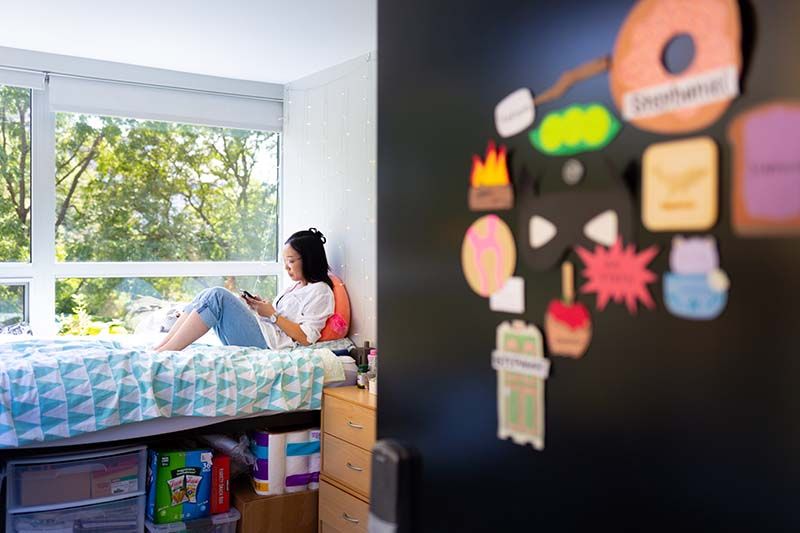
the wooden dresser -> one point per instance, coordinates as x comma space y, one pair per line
348, 434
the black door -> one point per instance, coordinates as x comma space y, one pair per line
666, 422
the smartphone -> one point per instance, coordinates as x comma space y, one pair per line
247, 295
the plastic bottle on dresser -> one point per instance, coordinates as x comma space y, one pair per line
361, 377
372, 374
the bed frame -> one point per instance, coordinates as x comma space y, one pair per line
153, 435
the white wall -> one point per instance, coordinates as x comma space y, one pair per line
329, 176
261, 40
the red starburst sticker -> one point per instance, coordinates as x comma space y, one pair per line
619, 274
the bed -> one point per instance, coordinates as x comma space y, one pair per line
64, 391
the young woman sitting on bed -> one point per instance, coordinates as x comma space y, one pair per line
297, 316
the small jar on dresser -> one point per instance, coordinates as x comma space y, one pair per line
348, 435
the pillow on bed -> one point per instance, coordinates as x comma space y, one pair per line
338, 324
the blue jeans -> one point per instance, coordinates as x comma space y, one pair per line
233, 321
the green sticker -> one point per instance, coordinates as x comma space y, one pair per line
575, 129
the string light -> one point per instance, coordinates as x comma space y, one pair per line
342, 163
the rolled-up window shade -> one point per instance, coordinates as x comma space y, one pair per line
97, 97
22, 78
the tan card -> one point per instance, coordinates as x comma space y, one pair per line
680, 185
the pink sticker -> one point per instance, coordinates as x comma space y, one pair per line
619, 274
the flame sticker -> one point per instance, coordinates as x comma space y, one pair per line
490, 186
494, 171
618, 273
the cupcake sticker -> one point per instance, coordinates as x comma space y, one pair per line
696, 288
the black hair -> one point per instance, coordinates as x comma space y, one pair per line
309, 244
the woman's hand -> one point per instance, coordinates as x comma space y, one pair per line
262, 307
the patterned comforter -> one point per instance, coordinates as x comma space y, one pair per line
56, 389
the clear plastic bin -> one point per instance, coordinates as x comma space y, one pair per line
218, 523
64, 480
122, 516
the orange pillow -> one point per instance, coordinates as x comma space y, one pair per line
338, 324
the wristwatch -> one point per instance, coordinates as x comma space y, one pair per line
274, 317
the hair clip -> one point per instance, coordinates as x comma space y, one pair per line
318, 234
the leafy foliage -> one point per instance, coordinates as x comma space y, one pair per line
139, 190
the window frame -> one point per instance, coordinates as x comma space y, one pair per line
26, 293
41, 273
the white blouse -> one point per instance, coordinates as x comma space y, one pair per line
309, 305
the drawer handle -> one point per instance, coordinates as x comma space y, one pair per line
354, 426
350, 518
356, 468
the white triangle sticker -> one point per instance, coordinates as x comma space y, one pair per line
540, 231
603, 228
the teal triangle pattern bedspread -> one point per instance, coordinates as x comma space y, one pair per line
56, 389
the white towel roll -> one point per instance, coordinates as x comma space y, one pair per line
297, 461
314, 460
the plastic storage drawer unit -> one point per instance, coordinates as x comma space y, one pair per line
122, 516
218, 523
45, 482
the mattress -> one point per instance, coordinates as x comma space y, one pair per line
68, 391
163, 426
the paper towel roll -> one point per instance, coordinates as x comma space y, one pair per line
297, 453
269, 471
314, 460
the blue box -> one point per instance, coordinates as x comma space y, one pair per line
178, 485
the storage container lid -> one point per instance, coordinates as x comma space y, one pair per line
194, 525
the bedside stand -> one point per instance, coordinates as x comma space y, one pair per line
348, 434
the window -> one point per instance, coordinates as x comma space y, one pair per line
13, 303
141, 191
90, 306
15, 167
118, 196
134, 190
15, 197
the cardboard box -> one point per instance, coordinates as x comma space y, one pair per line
283, 513
220, 484
178, 485
121, 476
46, 485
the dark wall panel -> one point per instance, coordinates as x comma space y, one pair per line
665, 423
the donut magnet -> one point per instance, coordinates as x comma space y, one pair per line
653, 98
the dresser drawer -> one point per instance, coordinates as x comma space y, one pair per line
338, 511
349, 422
347, 463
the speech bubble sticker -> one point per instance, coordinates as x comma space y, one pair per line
515, 113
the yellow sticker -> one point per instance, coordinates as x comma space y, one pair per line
680, 184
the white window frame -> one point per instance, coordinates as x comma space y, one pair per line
43, 271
